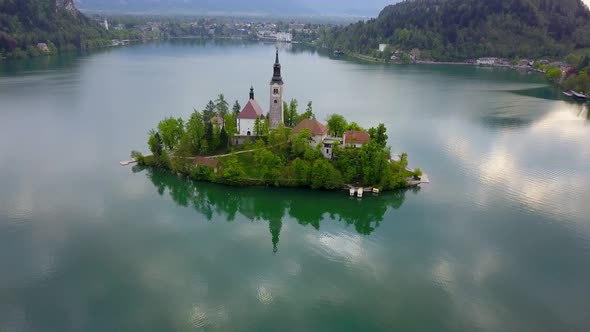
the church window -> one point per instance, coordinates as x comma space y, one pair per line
276, 91
276, 101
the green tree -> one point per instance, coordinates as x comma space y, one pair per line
302, 171
355, 126
324, 175
268, 165
291, 116
308, 113
230, 127
223, 138
379, 135
155, 143
337, 125
209, 111
195, 130
221, 106
553, 74
236, 108
171, 130
257, 127
233, 171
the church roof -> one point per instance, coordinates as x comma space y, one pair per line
316, 127
251, 111
356, 137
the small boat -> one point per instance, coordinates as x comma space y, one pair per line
359, 192
338, 52
579, 95
568, 93
352, 192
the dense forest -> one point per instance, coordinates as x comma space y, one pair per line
25, 23
448, 30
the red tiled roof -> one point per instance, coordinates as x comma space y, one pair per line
213, 163
317, 129
251, 111
356, 137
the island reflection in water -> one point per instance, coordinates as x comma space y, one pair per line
263, 204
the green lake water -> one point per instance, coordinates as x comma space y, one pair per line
499, 241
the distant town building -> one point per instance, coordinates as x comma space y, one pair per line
486, 61
43, 47
276, 115
105, 24
285, 37
382, 47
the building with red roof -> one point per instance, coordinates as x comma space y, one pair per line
355, 138
247, 117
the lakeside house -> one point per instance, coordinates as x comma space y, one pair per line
355, 138
318, 131
319, 136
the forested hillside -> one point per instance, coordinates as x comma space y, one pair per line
24, 23
461, 29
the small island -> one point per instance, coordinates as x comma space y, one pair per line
245, 147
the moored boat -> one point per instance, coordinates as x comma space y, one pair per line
568, 93
579, 95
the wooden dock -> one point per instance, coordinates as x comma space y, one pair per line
127, 162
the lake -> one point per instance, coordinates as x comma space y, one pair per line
499, 241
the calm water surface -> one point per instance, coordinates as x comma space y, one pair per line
500, 241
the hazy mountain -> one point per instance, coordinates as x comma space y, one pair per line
282, 7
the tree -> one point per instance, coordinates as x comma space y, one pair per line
155, 143
286, 113
268, 164
379, 135
209, 111
291, 116
209, 138
257, 127
223, 138
230, 127
195, 130
232, 170
355, 126
553, 75
222, 106
236, 108
337, 125
308, 113
171, 130
302, 171
324, 175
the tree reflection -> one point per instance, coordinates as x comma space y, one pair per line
273, 205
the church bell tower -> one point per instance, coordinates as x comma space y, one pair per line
276, 115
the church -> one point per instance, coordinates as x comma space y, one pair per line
246, 119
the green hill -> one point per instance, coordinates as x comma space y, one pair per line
462, 29
25, 23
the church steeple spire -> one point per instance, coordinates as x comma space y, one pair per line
276, 77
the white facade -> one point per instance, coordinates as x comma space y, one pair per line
382, 47
246, 127
486, 61
328, 146
284, 37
